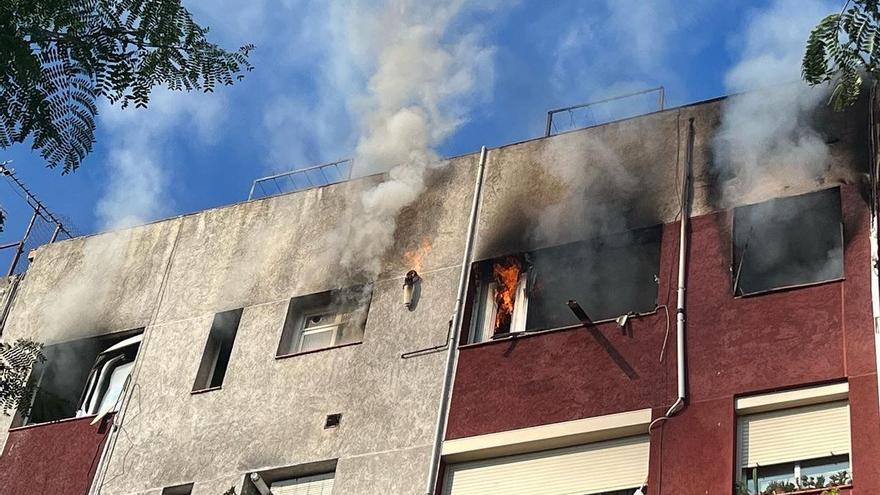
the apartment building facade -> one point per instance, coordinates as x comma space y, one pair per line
230, 350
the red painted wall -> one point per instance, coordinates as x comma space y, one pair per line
52, 458
735, 346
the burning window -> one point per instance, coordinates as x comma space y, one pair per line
326, 319
609, 276
81, 378
787, 242
218, 349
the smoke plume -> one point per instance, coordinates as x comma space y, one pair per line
426, 72
766, 140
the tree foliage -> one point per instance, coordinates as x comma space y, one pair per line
16, 361
60, 56
842, 48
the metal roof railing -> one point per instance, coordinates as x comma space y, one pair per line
301, 179
626, 109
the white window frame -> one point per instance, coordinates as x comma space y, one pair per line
786, 400
340, 319
483, 328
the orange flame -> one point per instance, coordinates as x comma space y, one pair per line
414, 257
507, 272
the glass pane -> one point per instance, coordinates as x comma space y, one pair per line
320, 320
317, 340
775, 475
825, 467
117, 380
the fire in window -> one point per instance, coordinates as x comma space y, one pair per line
609, 276
787, 242
326, 319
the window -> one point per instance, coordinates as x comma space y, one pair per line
218, 349
315, 478
787, 242
612, 467
107, 378
326, 319
80, 378
609, 276
317, 484
807, 446
178, 490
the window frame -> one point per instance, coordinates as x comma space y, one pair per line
215, 344
786, 400
294, 328
736, 257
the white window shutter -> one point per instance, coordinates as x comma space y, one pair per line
591, 468
319, 484
795, 434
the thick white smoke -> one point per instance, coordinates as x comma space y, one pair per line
766, 140
425, 75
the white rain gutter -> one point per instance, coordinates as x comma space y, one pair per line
452, 350
682, 275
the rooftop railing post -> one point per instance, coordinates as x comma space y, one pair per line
20, 248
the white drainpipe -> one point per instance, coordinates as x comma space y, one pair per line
682, 274
451, 351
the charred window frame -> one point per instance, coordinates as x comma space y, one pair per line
787, 242
324, 320
218, 350
609, 276
80, 378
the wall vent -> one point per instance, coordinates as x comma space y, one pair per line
332, 420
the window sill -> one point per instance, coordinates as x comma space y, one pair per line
535, 333
789, 287
203, 390
54, 422
313, 351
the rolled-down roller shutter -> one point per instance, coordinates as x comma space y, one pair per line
319, 484
795, 434
583, 469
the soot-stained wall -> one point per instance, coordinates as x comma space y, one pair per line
735, 346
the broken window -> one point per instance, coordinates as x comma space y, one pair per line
326, 319
787, 242
218, 349
81, 378
608, 276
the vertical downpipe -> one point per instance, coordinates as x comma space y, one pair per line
873, 234
452, 350
682, 274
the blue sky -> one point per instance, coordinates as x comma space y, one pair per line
304, 102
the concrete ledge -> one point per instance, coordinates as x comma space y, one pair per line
792, 398
552, 436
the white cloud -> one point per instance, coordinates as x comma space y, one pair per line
139, 154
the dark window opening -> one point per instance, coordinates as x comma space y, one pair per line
326, 319
218, 349
80, 378
608, 276
787, 242
178, 490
